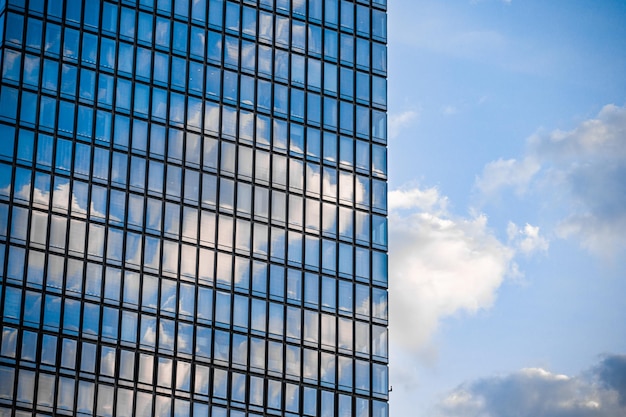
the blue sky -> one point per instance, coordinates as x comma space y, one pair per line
507, 164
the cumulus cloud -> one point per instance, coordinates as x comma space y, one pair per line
536, 392
414, 198
442, 265
439, 265
612, 374
507, 173
397, 122
526, 239
580, 172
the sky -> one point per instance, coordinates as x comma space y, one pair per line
507, 198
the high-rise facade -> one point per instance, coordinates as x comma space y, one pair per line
193, 208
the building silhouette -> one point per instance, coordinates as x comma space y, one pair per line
193, 208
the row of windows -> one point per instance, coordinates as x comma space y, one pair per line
202, 45
269, 169
190, 112
306, 365
77, 278
280, 65
182, 334
245, 126
203, 228
228, 15
243, 20
155, 140
299, 8
151, 215
151, 252
160, 179
223, 387
265, 319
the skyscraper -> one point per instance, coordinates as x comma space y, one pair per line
193, 208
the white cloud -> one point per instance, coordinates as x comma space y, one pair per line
439, 265
527, 239
398, 122
580, 173
414, 198
537, 392
507, 173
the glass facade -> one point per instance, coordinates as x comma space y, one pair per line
193, 208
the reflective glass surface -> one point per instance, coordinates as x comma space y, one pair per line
193, 208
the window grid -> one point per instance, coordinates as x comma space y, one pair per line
95, 246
